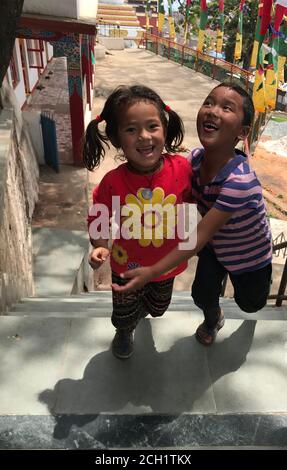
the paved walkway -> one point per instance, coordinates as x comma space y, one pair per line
63, 197
52, 94
62, 388
182, 89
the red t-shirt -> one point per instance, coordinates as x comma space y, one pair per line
153, 199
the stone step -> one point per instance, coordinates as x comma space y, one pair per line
122, 22
58, 254
99, 304
61, 387
152, 435
110, 7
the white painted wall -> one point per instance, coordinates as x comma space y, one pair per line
32, 73
65, 8
49, 51
112, 2
88, 9
33, 121
20, 88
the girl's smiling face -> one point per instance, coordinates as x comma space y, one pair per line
141, 135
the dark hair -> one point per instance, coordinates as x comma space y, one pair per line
248, 106
94, 140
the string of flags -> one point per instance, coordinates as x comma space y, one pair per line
270, 37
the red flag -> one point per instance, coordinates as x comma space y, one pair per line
242, 2
281, 8
266, 16
203, 5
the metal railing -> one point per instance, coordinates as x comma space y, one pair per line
216, 68
213, 67
281, 294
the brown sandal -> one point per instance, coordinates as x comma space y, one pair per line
206, 335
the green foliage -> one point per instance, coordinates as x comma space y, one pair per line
231, 12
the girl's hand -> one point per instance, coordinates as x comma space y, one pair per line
137, 279
98, 256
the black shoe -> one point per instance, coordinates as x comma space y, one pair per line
123, 343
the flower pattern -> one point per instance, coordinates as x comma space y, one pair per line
158, 215
119, 254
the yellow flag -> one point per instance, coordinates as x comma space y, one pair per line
271, 88
200, 43
253, 61
219, 42
161, 15
259, 91
171, 27
281, 65
160, 21
238, 47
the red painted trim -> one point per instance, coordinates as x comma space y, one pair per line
77, 125
66, 26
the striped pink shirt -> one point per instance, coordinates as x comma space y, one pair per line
244, 243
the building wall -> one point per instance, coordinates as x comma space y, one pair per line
112, 2
49, 51
19, 90
32, 74
88, 8
65, 8
18, 195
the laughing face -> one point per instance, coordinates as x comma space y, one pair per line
141, 135
220, 120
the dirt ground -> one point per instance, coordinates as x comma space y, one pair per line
271, 170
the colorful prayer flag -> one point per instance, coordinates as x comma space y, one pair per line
272, 69
147, 14
186, 21
271, 79
282, 52
219, 40
259, 90
255, 50
238, 42
280, 10
170, 21
202, 25
259, 96
161, 15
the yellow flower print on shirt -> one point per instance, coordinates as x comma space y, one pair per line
119, 254
158, 216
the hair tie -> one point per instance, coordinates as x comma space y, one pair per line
167, 108
98, 118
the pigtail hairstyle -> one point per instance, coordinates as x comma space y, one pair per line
174, 132
93, 148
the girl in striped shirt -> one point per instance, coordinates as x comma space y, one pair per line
234, 235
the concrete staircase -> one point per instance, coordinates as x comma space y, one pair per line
61, 387
118, 26
124, 15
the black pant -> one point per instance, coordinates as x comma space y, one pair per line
128, 308
251, 289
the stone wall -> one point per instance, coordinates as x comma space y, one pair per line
18, 193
